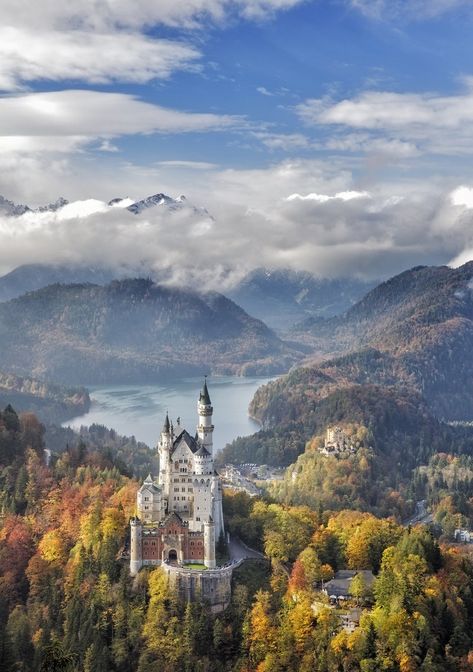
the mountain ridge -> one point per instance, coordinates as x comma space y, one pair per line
134, 330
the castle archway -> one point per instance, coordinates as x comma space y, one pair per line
172, 557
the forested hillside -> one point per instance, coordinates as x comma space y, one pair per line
421, 322
133, 330
67, 601
52, 403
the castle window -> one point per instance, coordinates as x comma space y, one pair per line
176, 489
146, 499
183, 489
198, 518
146, 508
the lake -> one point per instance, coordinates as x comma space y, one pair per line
139, 410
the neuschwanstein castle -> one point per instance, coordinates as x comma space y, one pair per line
180, 514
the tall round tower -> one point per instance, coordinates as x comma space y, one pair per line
136, 555
209, 544
205, 427
164, 447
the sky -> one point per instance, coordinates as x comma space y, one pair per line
333, 136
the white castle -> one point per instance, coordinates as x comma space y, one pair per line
180, 514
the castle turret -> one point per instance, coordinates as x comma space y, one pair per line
136, 555
164, 447
209, 544
203, 463
205, 427
217, 506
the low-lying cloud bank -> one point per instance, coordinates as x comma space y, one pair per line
346, 233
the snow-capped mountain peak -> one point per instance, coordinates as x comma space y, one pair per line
151, 201
83, 208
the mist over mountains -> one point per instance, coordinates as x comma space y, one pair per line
217, 242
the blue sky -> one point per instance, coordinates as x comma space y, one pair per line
353, 117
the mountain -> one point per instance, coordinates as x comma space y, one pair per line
12, 209
134, 330
30, 277
415, 329
408, 341
91, 206
51, 403
283, 297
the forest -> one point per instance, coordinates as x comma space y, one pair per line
67, 601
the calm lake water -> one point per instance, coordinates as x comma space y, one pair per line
139, 410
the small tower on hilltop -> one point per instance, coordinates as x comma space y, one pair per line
205, 427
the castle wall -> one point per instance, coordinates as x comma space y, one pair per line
212, 586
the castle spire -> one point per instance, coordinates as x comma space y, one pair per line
205, 427
166, 426
204, 394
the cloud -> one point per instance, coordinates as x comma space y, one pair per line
324, 198
283, 141
97, 58
264, 91
334, 229
462, 196
107, 42
408, 123
67, 120
404, 10
134, 14
192, 165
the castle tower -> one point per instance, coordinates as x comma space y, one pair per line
209, 545
205, 427
164, 447
136, 556
217, 506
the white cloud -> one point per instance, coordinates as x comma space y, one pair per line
67, 120
192, 165
463, 197
133, 14
282, 141
324, 198
109, 41
28, 55
264, 91
407, 9
404, 124
334, 229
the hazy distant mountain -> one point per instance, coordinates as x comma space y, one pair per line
283, 297
133, 330
30, 277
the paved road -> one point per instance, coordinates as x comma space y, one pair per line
421, 516
240, 551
